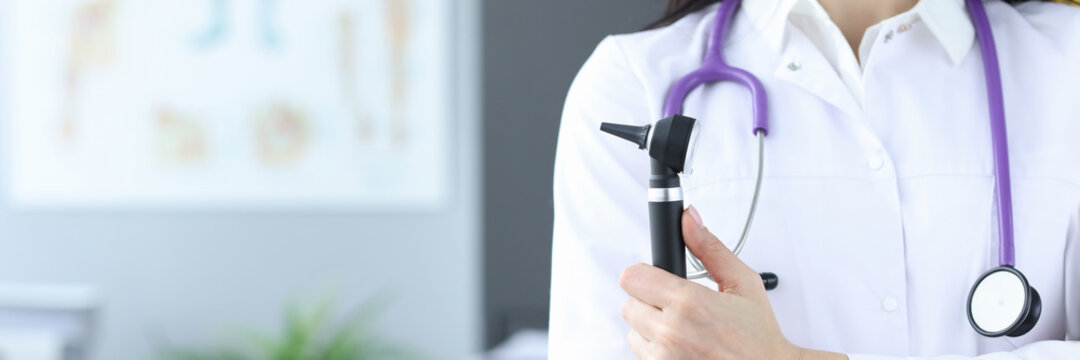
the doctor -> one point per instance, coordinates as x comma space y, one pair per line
878, 204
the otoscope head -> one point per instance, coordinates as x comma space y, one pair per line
669, 140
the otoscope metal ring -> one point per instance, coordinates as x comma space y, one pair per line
669, 140
673, 135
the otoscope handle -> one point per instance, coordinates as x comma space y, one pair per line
668, 248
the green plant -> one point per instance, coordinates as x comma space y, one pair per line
307, 334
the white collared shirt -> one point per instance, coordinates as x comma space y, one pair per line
877, 209
946, 20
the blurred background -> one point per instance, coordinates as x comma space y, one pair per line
253, 179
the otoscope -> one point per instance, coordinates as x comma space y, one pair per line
669, 143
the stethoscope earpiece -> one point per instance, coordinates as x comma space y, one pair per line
770, 280
1002, 303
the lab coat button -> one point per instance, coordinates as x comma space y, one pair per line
876, 162
794, 66
889, 304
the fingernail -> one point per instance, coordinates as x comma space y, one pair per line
694, 215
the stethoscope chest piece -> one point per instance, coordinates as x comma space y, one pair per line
1003, 303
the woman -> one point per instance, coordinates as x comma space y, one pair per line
878, 203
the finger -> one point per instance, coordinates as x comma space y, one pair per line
642, 318
651, 284
639, 345
730, 273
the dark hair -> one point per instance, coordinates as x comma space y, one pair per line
676, 9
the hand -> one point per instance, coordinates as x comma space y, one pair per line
674, 318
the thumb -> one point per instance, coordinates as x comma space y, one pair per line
730, 273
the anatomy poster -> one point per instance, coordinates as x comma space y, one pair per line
228, 102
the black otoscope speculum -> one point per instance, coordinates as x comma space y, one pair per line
668, 143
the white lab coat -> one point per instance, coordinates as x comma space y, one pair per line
877, 210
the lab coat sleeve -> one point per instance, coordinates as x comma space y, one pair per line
601, 219
1068, 348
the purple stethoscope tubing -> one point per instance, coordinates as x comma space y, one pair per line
715, 69
996, 100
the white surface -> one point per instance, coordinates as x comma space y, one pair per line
839, 235
33, 312
16, 345
998, 301
48, 297
218, 94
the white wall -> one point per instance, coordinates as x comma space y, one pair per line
195, 277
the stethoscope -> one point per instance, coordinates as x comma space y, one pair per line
1001, 302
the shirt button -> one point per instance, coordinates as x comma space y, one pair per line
876, 162
889, 304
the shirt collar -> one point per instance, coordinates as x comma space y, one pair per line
948, 20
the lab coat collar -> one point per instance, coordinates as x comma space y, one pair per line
948, 20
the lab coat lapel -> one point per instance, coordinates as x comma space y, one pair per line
803, 64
